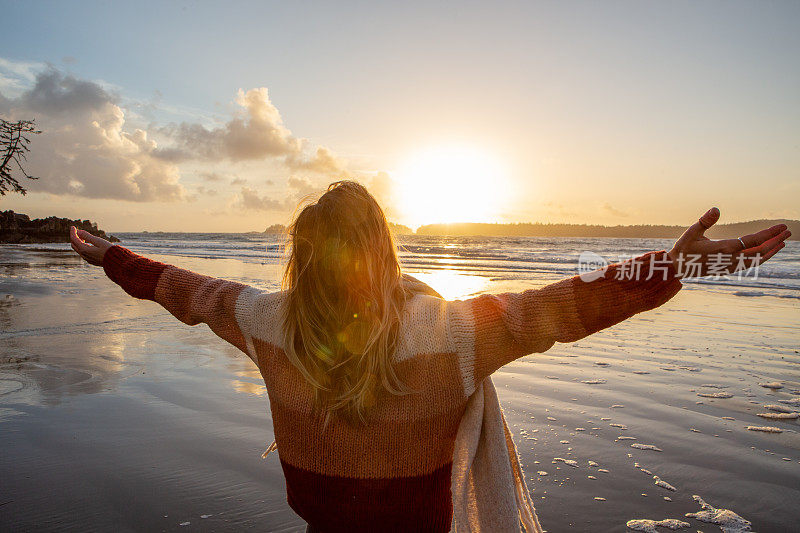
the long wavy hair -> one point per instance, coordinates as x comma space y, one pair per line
344, 301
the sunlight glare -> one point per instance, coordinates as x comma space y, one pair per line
451, 184
453, 285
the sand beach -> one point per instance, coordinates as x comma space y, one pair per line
115, 416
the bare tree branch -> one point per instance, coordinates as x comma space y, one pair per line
14, 140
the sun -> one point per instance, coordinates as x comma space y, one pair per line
450, 184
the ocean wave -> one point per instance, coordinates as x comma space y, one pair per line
534, 258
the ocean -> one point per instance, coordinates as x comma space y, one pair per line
538, 259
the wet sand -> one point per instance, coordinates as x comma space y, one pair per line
114, 416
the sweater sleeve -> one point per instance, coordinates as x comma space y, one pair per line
192, 298
492, 330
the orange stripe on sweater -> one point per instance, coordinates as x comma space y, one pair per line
405, 435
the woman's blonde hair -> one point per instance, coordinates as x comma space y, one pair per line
344, 301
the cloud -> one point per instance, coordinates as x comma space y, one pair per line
256, 132
322, 161
89, 148
211, 176
381, 186
553, 208
17, 76
607, 208
201, 190
54, 93
249, 199
302, 186
383, 189
84, 148
252, 201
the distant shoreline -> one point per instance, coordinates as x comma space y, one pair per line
642, 231
538, 229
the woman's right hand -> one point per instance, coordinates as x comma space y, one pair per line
88, 246
724, 256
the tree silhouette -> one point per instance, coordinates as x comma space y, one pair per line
14, 140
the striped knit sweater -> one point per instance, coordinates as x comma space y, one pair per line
392, 474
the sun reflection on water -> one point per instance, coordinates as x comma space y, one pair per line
453, 285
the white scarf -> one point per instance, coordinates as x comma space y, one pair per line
488, 484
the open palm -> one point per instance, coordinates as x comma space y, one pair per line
694, 254
88, 246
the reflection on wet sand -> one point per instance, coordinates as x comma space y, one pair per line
251, 382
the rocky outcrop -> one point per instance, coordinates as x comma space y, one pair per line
16, 228
275, 229
399, 229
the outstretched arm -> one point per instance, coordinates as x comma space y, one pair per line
192, 298
496, 329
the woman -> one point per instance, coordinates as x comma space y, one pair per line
374, 380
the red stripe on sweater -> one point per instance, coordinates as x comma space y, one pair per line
623, 291
136, 275
333, 503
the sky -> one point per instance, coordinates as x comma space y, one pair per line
222, 116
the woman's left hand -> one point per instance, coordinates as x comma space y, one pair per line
88, 246
696, 255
